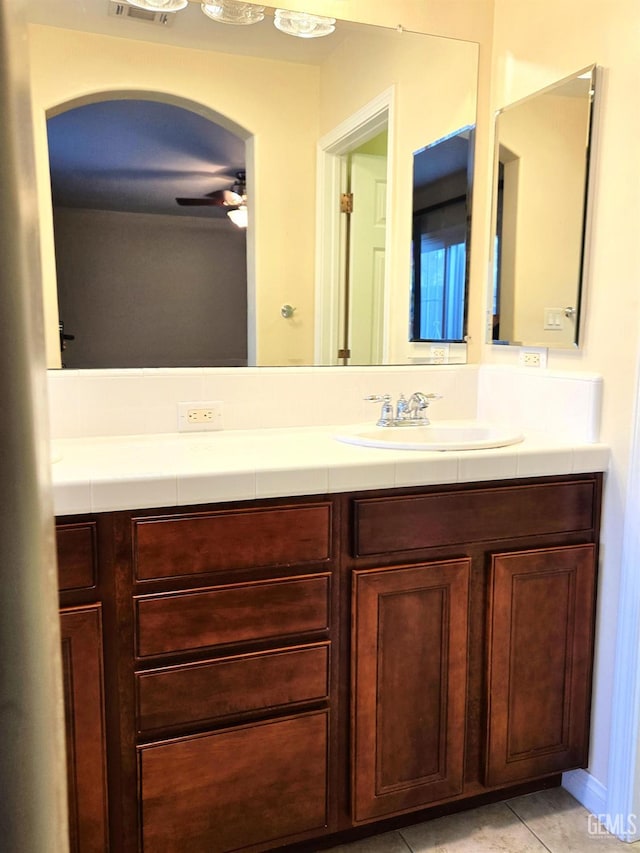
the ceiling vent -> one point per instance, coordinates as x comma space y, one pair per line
133, 13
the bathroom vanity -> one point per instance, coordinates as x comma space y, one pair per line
249, 675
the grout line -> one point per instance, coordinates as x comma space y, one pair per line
408, 846
524, 823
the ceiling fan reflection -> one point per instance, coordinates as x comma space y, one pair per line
233, 196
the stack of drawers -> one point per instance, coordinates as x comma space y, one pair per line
232, 635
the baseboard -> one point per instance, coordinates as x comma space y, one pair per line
593, 796
587, 790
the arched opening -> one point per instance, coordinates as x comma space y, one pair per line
142, 280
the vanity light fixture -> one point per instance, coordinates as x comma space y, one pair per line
239, 216
303, 25
233, 12
159, 5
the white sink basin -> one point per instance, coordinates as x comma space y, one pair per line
443, 435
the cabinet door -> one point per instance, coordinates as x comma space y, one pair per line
541, 617
81, 634
260, 784
409, 673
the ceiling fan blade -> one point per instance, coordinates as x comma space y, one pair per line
224, 198
199, 202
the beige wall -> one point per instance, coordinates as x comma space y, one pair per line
68, 65
536, 44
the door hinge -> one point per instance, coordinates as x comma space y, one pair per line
344, 353
346, 202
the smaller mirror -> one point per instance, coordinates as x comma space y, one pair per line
540, 197
442, 177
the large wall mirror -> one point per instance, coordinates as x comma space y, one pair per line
543, 145
227, 100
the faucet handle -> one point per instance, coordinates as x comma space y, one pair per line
420, 395
378, 398
386, 414
419, 400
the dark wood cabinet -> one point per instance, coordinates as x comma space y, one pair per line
409, 660
81, 635
281, 670
539, 662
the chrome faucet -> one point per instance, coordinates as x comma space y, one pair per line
407, 413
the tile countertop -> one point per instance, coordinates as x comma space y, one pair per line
110, 473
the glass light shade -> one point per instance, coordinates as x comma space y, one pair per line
233, 12
239, 216
160, 5
302, 24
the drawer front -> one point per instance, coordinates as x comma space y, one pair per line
393, 525
212, 690
77, 555
262, 784
236, 613
240, 539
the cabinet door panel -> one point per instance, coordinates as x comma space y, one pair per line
238, 787
81, 634
409, 670
540, 650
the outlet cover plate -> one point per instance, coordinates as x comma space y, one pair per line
438, 353
200, 416
533, 357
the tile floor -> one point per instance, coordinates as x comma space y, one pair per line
549, 821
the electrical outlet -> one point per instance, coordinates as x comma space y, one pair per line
533, 358
439, 353
200, 415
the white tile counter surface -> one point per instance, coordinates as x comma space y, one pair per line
102, 474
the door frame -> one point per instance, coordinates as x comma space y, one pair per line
333, 147
621, 799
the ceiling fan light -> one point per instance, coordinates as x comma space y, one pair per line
233, 198
159, 5
233, 12
239, 216
302, 24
